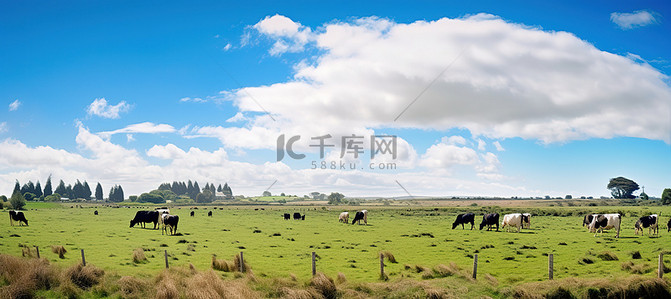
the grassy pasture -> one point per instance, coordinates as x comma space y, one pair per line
277, 248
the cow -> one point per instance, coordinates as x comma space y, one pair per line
489, 220
463, 219
588, 219
344, 217
526, 220
17, 216
145, 216
649, 222
192, 214
358, 217
297, 216
512, 220
668, 226
601, 222
287, 216
95, 212
209, 214
169, 221
365, 216
303, 217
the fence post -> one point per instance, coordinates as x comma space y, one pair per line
660, 267
165, 254
475, 266
314, 265
37, 249
551, 266
83, 259
242, 263
381, 264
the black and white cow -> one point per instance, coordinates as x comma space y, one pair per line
297, 216
344, 217
463, 219
649, 222
358, 217
512, 220
601, 222
169, 221
287, 216
17, 216
143, 217
526, 220
489, 220
209, 214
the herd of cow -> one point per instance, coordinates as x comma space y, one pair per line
595, 222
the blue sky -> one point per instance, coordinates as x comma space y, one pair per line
530, 98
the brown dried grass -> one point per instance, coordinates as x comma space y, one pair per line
131, 287
83, 277
25, 276
59, 249
222, 265
324, 285
138, 256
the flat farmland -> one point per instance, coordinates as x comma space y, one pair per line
274, 247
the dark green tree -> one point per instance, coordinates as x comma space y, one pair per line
164, 186
60, 189
335, 198
47, 187
70, 193
219, 189
38, 190
666, 196
17, 201
78, 190
17, 187
196, 190
99, 192
28, 187
621, 187
228, 193
87, 191
205, 197
267, 193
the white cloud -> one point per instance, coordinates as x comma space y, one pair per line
638, 18
446, 155
99, 107
236, 118
14, 105
195, 100
498, 146
289, 36
455, 140
227, 47
3, 127
481, 144
145, 127
129, 137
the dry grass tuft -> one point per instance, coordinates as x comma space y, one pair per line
491, 279
389, 256
131, 287
324, 285
83, 277
138, 256
436, 294
445, 271
642, 268
290, 293
293, 277
222, 265
166, 287
236, 263
607, 256
27, 252
24, 277
59, 249
341, 278
209, 285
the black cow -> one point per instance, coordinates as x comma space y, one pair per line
489, 220
358, 217
209, 214
95, 212
297, 216
303, 217
287, 216
17, 216
463, 219
192, 213
170, 221
145, 216
668, 226
649, 222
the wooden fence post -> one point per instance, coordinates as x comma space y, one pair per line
314, 264
551, 266
37, 249
83, 259
242, 263
165, 254
660, 267
475, 266
381, 264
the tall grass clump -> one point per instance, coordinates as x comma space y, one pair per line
389, 256
83, 277
138, 256
223, 265
21, 278
607, 256
59, 249
324, 285
131, 287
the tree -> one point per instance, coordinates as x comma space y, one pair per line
99, 192
219, 189
87, 191
47, 187
266, 193
38, 190
568, 196
69, 193
151, 197
17, 187
165, 186
17, 200
205, 197
666, 196
335, 198
228, 193
28, 187
116, 194
60, 189
621, 187
3, 198
644, 196
78, 190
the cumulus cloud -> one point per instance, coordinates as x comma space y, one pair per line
99, 107
635, 19
14, 105
509, 80
498, 146
289, 36
145, 127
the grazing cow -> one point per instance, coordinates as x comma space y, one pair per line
170, 221
192, 213
17, 216
512, 220
95, 212
358, 217
163, 210
489, 220
145, 216
365, 216
649, 222
297, 216
601, 222
287, 216
463, 219
526, 220
209, 214
588, 219
668, 226
344, 217
303, 217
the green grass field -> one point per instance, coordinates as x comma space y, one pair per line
275, 247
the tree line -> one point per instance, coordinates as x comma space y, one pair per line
185, 192
33, 191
